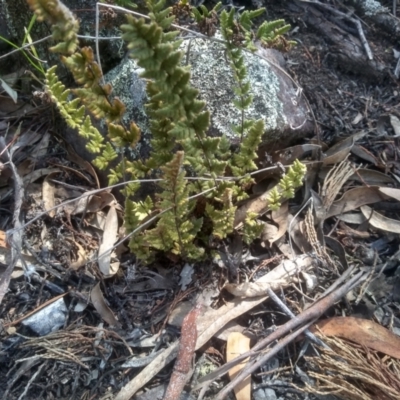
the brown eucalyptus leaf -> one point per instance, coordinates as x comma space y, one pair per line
355, 198
96, 296
362, 331
352, 218
280, 217
391, 192
39, 173
79, 206
290, 154
371, 177
364, 154
380, 221
338, 152
238, 344
110, 236
101, 200
82, 257
48, 197
269, 232
363, 175
258, 205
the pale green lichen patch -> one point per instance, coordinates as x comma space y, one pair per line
212, 75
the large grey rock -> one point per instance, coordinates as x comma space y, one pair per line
275, 99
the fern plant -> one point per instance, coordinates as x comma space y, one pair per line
179, 123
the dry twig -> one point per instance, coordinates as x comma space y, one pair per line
187, 347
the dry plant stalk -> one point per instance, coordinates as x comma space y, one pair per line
353, 372
183, 364
334, 181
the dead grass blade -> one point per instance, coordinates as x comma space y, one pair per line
352, 372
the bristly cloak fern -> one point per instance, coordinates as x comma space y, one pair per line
179, 124
176, 229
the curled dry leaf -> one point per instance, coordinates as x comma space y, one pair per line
280, 217
238, 344
362, 331
101, 307
380, 221
85, 165
81, 257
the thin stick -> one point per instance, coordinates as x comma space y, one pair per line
356, 22
312, 313
288, 312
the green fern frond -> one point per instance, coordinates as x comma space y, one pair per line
286, 185
63, 24
274, 199
246, 18
107, 155
243, 161
222, 219
176, 229
252, 229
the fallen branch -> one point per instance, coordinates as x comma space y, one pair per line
183, 363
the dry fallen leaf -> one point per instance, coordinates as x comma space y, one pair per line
362, 331
339, 151
101, 307
355, 198
394, 193
48, 197
39, 173
365, 154
280, 217
380, 221
82, 257
395, 122
110, 236
238, 344
3, 239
